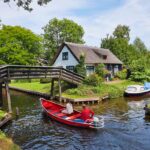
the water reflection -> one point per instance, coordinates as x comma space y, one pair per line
125, 127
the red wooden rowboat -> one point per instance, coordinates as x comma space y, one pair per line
53, 110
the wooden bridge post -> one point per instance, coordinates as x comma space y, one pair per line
59, 84
52, 88
8, 97
1, 96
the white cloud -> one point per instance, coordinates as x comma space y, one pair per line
134, 13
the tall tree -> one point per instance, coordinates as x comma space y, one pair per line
26, 3
135, 56
19, 46
122, 31
139, 45
57, 31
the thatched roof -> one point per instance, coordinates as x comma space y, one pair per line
93, 55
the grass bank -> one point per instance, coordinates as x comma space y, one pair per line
114, 89
6, 143
2, 114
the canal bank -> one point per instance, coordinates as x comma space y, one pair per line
125, 126
5, 142
81, 94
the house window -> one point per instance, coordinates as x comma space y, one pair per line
89, 70
65, 56
71, 68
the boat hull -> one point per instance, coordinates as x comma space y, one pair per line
126, 94
64, 120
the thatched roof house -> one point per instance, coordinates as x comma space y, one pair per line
68, 56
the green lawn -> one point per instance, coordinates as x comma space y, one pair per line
112, 89
34, 86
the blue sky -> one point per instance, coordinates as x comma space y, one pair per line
98, 17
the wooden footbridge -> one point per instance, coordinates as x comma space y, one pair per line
13, 72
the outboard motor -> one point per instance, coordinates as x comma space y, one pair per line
98, 122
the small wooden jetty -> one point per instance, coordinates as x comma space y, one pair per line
6, 119
81, 100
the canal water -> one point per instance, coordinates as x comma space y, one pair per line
125, 127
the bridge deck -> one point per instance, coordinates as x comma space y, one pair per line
11, 72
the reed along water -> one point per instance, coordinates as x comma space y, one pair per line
126, 127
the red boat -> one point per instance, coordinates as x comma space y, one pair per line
53, 110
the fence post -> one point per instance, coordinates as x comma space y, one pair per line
8, 97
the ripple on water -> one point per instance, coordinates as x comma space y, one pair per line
125, 128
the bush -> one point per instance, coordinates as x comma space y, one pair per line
122, 74
140, 76
81, 91
45, 80
101, 71
93, 80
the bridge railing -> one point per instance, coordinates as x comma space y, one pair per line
29, 72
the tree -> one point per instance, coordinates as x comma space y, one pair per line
57, 31
19, 46
26, 3
122, 31
135, 56
80, 68
139, 45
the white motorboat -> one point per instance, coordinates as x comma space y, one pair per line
137, 90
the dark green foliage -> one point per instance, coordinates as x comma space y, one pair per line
45, 80
101, 70
139, 45
93, 80
122, 31
26, 3
139, 72
80, 68
19, 46
135, 56
57, 31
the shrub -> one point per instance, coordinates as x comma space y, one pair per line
140, 76
45, 80
122, 74
100, 70
93, 80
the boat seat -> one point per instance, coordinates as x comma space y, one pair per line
73, 117
79, 120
